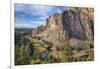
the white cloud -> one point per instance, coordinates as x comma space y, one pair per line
21, 25
59, 10
30, 24
42, 10
34, 10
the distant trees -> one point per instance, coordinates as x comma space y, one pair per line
67, 51
91, 56
41, 51
23, 49
21, 57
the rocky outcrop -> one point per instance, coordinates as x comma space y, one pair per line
54, 30
74, 23
78, 23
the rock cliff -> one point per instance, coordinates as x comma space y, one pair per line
74, 23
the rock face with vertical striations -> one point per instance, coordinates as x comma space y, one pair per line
74, 23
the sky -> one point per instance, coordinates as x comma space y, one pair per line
32, 16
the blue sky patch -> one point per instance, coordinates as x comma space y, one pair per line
29, 15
